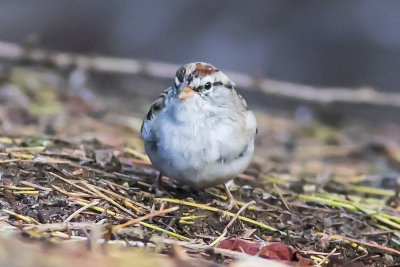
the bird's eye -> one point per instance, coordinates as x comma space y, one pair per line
208, 85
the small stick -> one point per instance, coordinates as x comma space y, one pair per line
145, 217
326, 257
283, 199
342, 238
93, 203
363, 95
59, 226
216, 241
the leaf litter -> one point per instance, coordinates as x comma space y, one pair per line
313, 194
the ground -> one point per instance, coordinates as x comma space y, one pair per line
74, 176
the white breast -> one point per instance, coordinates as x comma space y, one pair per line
201, 148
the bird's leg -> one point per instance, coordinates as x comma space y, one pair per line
231, 200
157, 185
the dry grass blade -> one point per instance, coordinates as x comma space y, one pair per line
372, 190
22, 217
35, 186
216, 241
20, 155
72, 194
17, 188
110, 200
33, 148
100, 209
148, 216
73, 183
164, 231
60, 226
132, 205
8, 160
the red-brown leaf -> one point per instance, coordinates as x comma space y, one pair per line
277, 251
240, 245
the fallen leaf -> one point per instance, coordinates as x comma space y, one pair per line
277, 251
240, 245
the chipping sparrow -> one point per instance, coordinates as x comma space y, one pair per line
200, 132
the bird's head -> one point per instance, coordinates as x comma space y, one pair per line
200, 79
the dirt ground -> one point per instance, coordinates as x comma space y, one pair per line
74, 176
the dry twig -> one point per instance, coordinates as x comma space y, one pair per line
364, 95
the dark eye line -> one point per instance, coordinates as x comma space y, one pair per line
199, 88
190, 78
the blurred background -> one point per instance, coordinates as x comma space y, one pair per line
329, 43
348, 44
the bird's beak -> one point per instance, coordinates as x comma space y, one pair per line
186, 93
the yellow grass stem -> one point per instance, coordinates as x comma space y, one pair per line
344, 240
22, 217
193, 217
384, 219
164, 231
8, 160
189, 219
394, 218
381, 217
186, 222
239, 203
372, 190
318, 259
5, 140
17, 188
328, 201
32, 148
22, 155
97, 208
97, 192
227, 213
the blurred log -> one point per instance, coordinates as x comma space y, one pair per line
364, 95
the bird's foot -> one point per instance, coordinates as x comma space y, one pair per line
231, 200
157, 186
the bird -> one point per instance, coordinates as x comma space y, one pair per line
200, 131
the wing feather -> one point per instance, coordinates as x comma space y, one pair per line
155, 109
